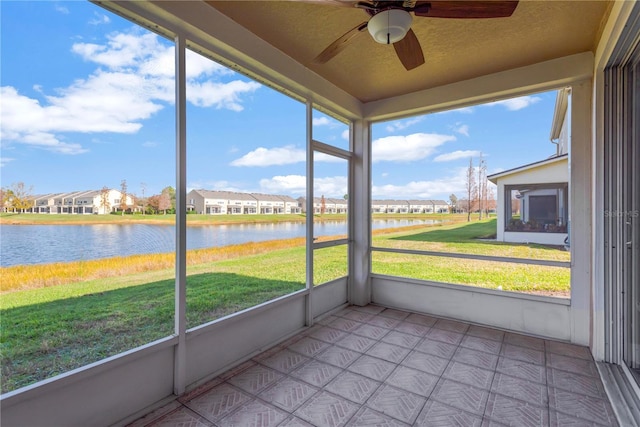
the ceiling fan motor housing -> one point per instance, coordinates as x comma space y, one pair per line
390, 26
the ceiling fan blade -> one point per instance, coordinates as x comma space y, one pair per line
469, 9
338, 46
339, 3
409, 51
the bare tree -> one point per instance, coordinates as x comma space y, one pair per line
454, 202
491, 200
19, 197
482, 185
171, 192
164, 201
143, 187
5, 197
470, 182
123, 196
104, 199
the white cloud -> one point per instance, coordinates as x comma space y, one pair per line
462, 129
407, 148
345, 134
321, 121
326, 121
333, 186
462, 110
220, 95
149, 144
295, 185
284, 184
384, 174
456, 155
133, 82
62, 9
221, 185
5, 160
99, 19
515, 104
441, 188
279, 156
417, 189
400, 125
272, 156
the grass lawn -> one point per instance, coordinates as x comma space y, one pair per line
52, 328
472, 238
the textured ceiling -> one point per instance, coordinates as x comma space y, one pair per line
454, 49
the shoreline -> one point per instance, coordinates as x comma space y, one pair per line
194, 219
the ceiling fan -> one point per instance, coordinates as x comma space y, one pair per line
390, 23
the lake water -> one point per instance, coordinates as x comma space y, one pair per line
43, 244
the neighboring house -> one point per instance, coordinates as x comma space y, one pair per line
291, 205
208, 202
378, 206
45, 203
340, 206
269, 203
439, 206
397, 206
81, 202
533, 199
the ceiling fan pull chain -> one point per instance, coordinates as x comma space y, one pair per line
388, 32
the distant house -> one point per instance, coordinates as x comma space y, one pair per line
533, 199
340, 206
81, 202
269, 204
439, 206
209, 202
291, 205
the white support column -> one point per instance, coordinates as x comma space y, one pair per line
360, 199
502, 212
309, 215
580, 206
180, 368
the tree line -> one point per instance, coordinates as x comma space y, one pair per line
479, 196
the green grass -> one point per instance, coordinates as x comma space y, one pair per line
470, 238
50, 330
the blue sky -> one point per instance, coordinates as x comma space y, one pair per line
87, 101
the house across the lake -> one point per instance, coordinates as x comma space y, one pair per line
81, 202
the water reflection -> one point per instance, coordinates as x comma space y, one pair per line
43, 244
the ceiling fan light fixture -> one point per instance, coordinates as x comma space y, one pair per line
390, 26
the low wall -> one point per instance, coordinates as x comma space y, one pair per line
530, 314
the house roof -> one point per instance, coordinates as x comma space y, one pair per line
555, 159
224, 195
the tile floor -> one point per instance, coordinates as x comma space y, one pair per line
384, 367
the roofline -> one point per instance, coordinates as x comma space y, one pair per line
559, 112
550, 160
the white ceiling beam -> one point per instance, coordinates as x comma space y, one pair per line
539, 77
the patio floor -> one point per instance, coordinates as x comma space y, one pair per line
384, 367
